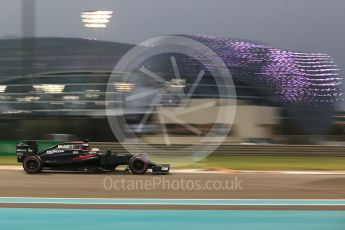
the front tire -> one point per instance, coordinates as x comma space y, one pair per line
32, 164
138, 165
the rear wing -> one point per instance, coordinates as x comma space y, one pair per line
26, 148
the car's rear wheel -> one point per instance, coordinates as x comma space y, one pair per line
138, 165
32, 164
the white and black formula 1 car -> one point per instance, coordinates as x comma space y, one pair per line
79, 156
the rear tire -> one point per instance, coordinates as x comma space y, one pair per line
32, 164
138, 165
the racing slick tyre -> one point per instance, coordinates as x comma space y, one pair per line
32, 164
143, 155
138, 165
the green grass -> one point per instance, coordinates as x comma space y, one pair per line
8, 160
253, 162
273, 163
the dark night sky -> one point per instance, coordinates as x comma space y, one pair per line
300, 25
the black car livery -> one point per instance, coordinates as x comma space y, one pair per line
79, 156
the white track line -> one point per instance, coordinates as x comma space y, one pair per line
11, 167
179, 202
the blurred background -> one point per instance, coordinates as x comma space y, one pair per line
286, 58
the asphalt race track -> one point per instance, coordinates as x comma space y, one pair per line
16, 183
242, 200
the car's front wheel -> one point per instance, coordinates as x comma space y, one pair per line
32, 164
138, 165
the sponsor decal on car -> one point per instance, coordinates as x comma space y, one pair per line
66, 146
55, 151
